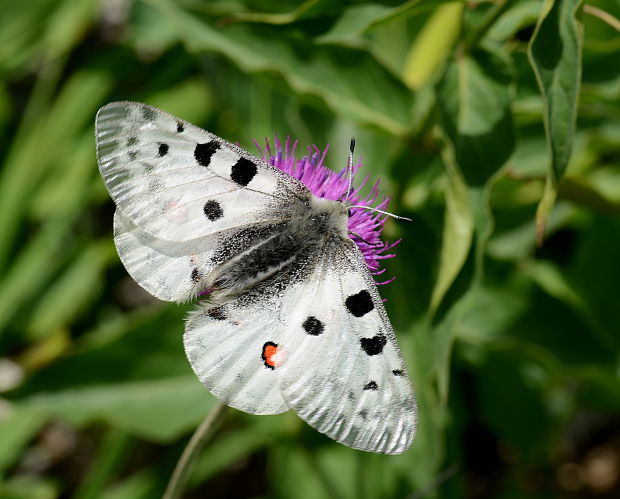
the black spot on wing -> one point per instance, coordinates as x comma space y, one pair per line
196, 275
217, 313
398, 372
180, 127
213, 210
203, 152
132, 155
371, 385
243, 172
162, 150
359, 304
313, 326
374, 345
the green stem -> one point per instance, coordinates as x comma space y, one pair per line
604, 16
205, 431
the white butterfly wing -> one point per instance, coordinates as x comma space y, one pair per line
343, 372
183, 195
178, 182
170, 271
313, 337
226, 346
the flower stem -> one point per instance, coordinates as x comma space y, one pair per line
205, 431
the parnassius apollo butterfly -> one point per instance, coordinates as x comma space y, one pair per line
292, 319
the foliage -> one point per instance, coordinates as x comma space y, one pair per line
471, 113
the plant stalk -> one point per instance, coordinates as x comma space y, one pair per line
202, 435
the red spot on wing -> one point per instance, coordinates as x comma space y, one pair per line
270, 349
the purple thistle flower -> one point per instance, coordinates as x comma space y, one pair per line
326, 183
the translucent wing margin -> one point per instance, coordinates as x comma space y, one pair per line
170, 271
181, 270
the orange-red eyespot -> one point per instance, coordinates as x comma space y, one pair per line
270, 349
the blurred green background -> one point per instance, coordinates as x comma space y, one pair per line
512, 345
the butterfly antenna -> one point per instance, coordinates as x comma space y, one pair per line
398, 217
350, 167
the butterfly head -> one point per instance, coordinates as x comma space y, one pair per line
359, 217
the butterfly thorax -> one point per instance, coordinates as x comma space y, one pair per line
327, 216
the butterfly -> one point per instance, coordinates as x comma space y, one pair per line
291, 318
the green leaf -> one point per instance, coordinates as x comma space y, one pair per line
139, 380
16, 430
549, 277
474, 99
433, 43
29, 487
544, 208
44, 147
457, 232
111, 455
480, 316
158, 410
36, 264
421, 463
305, 10
519, 243
230, 447
356, 20
555, 56
350, 82
518, 16
68, 295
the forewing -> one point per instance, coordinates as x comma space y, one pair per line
342, 370
178, 182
